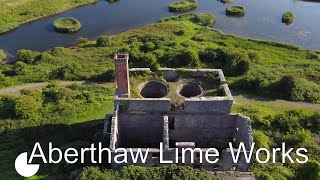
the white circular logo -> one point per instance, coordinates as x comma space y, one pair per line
23, 168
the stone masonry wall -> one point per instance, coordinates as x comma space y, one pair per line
204, 130
144, 105
244, 131
140, 130
209, 105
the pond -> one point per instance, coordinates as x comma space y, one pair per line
262, 21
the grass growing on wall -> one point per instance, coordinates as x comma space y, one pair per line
15, 13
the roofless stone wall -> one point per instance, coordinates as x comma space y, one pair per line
200, 122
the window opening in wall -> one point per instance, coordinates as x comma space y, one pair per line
171, 122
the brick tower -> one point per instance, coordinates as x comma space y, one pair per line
122, 74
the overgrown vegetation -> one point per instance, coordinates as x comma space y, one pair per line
66, 25
288, 17
66, 116
183, 6
235, 11
3, 56
136, 172
200, 19
266, 68
276, 123
13, 14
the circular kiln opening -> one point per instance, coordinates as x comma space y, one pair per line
190, 90
154, 89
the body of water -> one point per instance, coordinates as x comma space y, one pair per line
262, 21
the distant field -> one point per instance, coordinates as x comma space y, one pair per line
14, 13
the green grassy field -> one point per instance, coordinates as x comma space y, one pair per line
15, 13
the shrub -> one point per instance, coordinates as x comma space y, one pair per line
302, 136
7, 104
67, 72
82, 40
237, 63
148, 46
103, 41
183, 6
20, 68
28, 56
149, 60
312, 123
235, 11
3, 55
189, 57
26, 107
205, 19
302, 90
287, 122
310, 171
288, 17
159, 53
209, 54
66, 25
261, 140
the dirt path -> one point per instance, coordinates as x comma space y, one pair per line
247, 98
16, 89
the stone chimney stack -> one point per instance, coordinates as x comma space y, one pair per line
122, 74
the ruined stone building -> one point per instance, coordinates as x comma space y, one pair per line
179, 107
